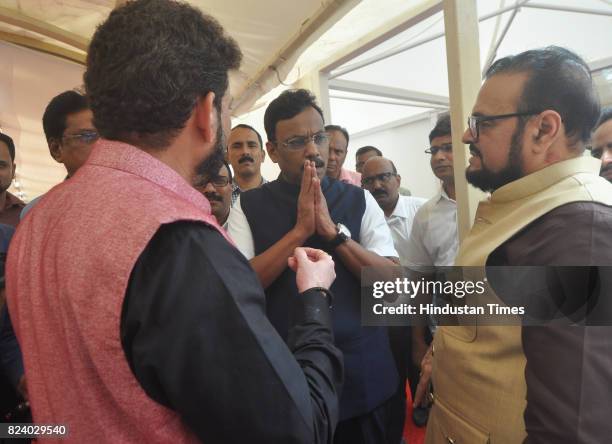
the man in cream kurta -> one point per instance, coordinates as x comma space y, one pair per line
527, 133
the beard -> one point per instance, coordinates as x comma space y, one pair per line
489, 181
212, 164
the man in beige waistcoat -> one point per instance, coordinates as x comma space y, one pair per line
511, 384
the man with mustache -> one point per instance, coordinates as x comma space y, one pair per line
361, 157
123, 287
246, 154
548, 206
380, 178
602, 143
304, 207
218, 190
338, 149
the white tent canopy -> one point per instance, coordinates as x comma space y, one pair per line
272, 35
378, 66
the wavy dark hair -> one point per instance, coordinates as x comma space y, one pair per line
148, 64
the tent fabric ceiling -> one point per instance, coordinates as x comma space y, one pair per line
260, 31
423, 68
263, 30
281, 42
269, 32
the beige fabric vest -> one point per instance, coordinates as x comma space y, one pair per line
478, 371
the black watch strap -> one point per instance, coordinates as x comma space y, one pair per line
337, 241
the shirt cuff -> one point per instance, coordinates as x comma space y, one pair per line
314, 305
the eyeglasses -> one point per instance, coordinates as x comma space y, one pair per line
382, 178
217, 182
86, 137
447, 148
474, 122
299, 142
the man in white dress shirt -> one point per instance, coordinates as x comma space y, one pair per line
434, 241
380, 178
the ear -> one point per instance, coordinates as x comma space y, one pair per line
263, 155
205, 117
399, 180
546, 130
56, 150
272, 151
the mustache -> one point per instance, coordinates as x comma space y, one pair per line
605, 169
475, 150
317, 161
377, 193
246, 158
213, 196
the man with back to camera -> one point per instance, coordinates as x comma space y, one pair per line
10, 205
602, 143
351, 227
338, 149
176, 349
245, 153
70, 134
527, 135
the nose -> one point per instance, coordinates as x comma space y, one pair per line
378, 184
440, 155
332, 155
209, 188
467, 137
606, 157
311, 150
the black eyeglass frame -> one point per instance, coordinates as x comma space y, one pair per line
474, 122
304, 140
202, 184
382, 177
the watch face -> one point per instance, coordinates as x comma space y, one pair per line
342, 229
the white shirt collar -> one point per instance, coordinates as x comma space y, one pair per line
400, 208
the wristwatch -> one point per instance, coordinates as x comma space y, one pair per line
343, 235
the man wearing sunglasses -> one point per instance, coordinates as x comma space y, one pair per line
602, 143
304, 207
548, 207
69, 131
218, 190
